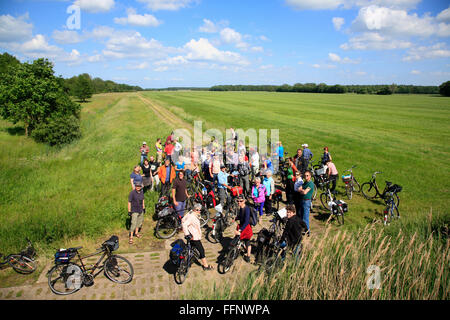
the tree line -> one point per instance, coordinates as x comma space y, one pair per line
324, 88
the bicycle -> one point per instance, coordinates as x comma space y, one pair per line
327, 196
220, 223
22, 262
351, 184
236, 248
67, 277
275, 257
337, 209
371, 191
391, 210
186, 259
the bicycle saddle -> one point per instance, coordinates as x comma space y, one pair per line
388, 183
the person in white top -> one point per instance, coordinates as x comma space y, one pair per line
254, 161
193, 232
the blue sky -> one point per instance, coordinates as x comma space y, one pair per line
162, 43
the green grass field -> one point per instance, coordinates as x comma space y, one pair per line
77, 194
404, 136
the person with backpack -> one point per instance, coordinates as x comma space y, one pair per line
192, 230
259, 193
244, 228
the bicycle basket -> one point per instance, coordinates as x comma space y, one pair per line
165, 212
321, 171
112, 243
64, 256
346, 178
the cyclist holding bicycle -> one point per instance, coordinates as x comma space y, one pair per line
193, 232
244, 229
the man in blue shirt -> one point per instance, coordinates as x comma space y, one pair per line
270, 187
280, 152
307, 155
222, 185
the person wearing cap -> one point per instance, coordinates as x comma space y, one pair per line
135, 176
136, 210
192, 231
222, 184
144, 150
244, 229
307, 155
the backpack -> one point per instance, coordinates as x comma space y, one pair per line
254, 216
177, 249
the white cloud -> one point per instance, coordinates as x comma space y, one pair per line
375, 41
361, 73
336, 58
348, 4
264, 38
203, 50
66, 36
95, 6
258, 49
39, 47
231, 36
172, 61
314, 4
338, 22
171, 5
161, 69
415, 72
323, 66
436, 51
208, 27
139, 66
15, 29
134, 19
444, 16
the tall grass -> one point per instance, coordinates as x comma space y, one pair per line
335, 266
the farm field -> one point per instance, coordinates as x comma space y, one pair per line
404, 136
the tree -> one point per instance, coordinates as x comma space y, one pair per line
444, 89
7, 61
30, 93
83, 87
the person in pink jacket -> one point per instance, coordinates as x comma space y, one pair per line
259, 194
191, 228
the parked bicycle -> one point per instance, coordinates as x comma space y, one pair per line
371, 191
67, 277
187, 256
391, 211
236, 248
275, 257
22, 262
220, 222
351, 184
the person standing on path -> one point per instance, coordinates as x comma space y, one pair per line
244, 172
136, 210
269, 184
306, 192
192, 230
244, 229
259, 193
179, 193
166, 175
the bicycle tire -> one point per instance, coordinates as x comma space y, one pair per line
166, 227
21, 264
62, 279
181, 273
324, 199
349, 191
117, 266
229, 259
368, 190
340, 216
215, 236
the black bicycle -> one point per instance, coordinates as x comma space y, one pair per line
220, 222
22, 262
188, 255
67, 277
391, 211
371, 191
237, 247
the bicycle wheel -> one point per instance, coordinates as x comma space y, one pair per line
21, 264
118, 269
356, 185
181, 273
65, 279
349, 190
166, 227
324, 199
204, 217
229, 259
340, 216
368, 190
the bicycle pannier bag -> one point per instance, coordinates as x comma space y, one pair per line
177, 249
64, 256
165, 212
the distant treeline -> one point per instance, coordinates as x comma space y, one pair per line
324, 88
180, 89
98, 85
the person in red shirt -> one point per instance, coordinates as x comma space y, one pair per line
169, 151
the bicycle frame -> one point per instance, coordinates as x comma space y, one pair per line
92, 268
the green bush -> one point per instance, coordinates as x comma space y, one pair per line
58, 131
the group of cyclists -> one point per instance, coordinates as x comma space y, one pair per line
224, 167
